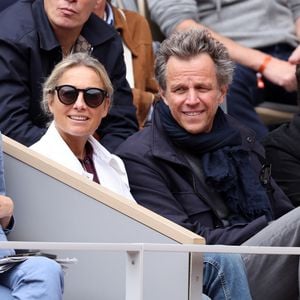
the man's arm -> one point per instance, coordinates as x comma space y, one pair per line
151, 190
278, 71
173, 15
16, 94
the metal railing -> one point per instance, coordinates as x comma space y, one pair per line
135, 258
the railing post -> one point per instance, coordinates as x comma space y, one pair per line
196, 276
134, 275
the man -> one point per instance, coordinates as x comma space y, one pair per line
34, 36
202, 169
262, 38
139, 58
35, 278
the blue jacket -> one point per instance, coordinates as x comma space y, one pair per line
161, 179
28, 52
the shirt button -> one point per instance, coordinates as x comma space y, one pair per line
249, 139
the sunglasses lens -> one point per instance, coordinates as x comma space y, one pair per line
67, 94
94, 97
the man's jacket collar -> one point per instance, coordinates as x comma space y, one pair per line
162, 146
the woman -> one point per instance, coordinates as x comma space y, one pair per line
77, 95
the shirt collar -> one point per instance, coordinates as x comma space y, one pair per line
108, 15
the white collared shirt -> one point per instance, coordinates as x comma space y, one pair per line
109, 167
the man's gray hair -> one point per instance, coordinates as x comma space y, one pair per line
189, 44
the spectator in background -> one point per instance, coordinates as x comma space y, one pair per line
34, 36
125, 4
283, 152
138, 53
262, 38
35, 278
203, 170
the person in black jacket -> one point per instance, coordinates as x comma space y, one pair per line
34, 36
203, 170
283, 152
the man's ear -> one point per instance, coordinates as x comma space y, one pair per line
223, 93
163, 95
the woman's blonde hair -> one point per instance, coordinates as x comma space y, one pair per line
69, 62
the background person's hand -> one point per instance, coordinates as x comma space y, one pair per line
282, 73
295, 56
6, 210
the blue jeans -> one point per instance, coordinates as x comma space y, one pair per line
243, 94
225, 277
36, 278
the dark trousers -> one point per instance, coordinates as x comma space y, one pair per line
275, 277
244, 94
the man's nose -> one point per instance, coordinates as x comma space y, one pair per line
192, 96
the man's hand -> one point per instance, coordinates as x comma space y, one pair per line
282, 73
295, 56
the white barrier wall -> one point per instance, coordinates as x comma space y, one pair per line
54, 204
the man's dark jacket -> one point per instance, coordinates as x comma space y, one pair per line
29, 51
5, 3
162, 180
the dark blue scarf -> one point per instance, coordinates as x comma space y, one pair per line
226, 166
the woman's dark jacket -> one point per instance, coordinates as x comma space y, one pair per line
283, 152
162, 180
29, 51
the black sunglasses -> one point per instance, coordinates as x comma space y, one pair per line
68, 94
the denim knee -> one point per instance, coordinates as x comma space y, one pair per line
225, 277
43, 272
42, 266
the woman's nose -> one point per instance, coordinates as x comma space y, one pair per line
80, 103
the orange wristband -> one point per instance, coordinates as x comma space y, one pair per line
262, 67
264, 64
